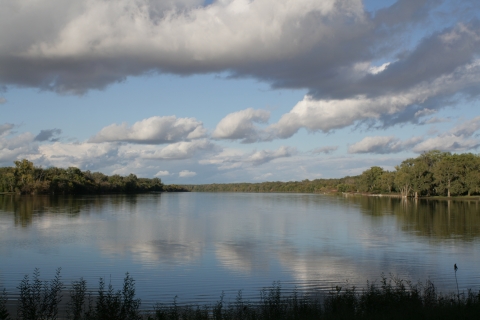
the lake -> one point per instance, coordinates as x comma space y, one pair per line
197, 245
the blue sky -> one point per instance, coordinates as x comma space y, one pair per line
237, 90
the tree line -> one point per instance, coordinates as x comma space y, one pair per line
26, 178
433, 173
305, 186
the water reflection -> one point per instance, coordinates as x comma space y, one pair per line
242, 256
188, 244
26, 207
166, 252
436, 219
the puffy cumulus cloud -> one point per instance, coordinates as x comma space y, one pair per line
48, 135
382, 145
108, 157
175, 151
447, 142
327, 115
231, 159
86, 156
264, 156
162, 173
460, 138
20, 146
186, 174
325, 150
240, 125
154, 130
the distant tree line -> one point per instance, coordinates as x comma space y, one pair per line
26, 178
433, 173
305, 186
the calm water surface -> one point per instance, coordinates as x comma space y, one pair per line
196, 245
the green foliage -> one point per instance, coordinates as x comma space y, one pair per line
25, 178
4, 315
305, 186
39, 299
116, 305
392, 299
432, 173
369, 180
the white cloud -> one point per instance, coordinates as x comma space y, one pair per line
81, 155
162, 173
378, 69
174, 151
231, 159
447, 142
186, 174
230, 28
263, 156
458, 139
154, 130
240, 125
382, 145
13, 147
327, 115
20, 146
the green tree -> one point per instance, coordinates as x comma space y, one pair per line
369, 180
24, 175
387, 181
403, 178
447, 173
469, 172
430, 159
421, 176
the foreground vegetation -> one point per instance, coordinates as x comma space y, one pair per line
433, 173
390, 299
25, 178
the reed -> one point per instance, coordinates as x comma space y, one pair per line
391, 298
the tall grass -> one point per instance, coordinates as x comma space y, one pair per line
391, 298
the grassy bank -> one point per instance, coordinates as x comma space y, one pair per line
390, 299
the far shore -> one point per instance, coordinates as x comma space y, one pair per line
331, 192
397, 195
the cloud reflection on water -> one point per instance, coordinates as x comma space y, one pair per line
303, 239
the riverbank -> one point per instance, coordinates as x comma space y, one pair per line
390, 299
397, 195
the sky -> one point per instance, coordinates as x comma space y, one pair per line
194, 91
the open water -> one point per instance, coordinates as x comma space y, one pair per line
197, 245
